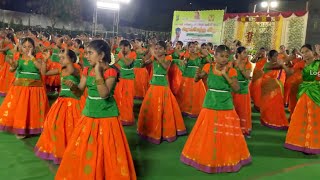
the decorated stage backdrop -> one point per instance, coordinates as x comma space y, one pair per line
269, 30
201, 26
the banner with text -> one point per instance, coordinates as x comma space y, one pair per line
201, 26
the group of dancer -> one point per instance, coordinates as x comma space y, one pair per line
97, 82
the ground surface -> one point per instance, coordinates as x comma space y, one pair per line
157, 162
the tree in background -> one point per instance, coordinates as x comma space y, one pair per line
63, 10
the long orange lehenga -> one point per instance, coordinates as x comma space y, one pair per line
272, 106
242, 102
175, 73
303, 133
53, 82
98, 147
60, 122
216, 143
255, 86
160, 117
124, 92
191, 94
24, 109
141, 78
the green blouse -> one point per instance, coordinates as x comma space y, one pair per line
218, 96
311, 84
27, 69
97, 107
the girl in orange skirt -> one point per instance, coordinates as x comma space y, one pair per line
63, 115
160, 117
255, 86
44, 47
303, 133
98, 148
16, 112
292, 60
241, 98
294, 81
6, 76
141, 80
216, 143
149, 67
174, 73
284, 57
124, 92
272, 110
191, 94
53, 82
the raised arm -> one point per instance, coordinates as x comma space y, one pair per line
77, 90
129, 59
245, 70
289, 71
146, 60
52, 72
233, 82
104, 86
200, 75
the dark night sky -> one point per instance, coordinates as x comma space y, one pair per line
145, 14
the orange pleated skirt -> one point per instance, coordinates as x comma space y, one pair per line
98, 149
141, 82
160, 117
242, 105
24, 109
271, 107
6, 79
191, 96
304, 129
216, 143
124, 95
60, 122
175, 78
